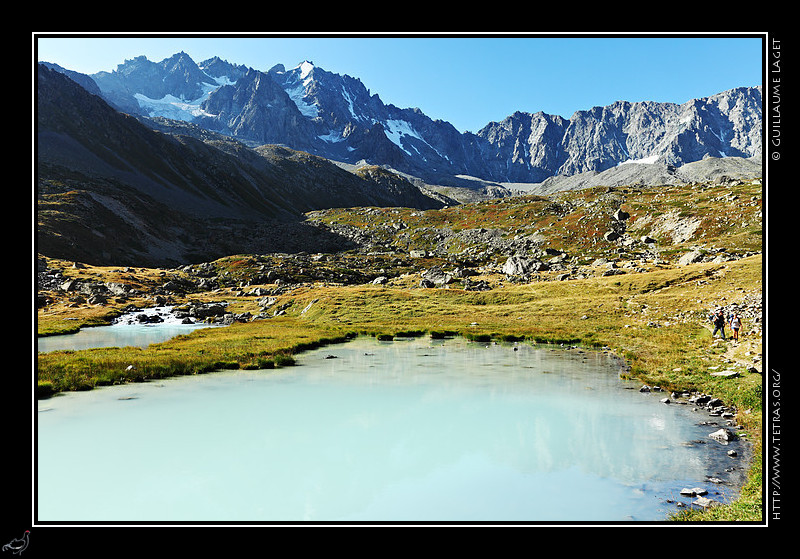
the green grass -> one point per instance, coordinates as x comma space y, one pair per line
654, 320
262, 345
596, 312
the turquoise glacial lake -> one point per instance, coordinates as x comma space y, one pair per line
408, 431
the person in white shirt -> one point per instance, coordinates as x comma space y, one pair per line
736, 324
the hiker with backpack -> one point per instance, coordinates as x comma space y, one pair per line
719, 323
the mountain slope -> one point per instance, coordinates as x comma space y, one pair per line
337, 117
113, 190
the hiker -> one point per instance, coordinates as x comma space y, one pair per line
736, 323
719, 324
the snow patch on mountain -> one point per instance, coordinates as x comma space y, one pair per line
222, 80
350, 105
332, 137
395, 130
649, 160
297, 91
297, 95
398, 130
177, 108
305, 68
172, 107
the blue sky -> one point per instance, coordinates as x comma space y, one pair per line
467, 81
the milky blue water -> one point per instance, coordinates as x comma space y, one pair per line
411, 430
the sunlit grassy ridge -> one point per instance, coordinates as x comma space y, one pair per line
726, 216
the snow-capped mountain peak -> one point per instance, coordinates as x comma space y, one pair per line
305, 67
335, 116
297, 82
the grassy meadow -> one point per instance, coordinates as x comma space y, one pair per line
654, 318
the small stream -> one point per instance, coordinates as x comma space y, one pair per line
127, 330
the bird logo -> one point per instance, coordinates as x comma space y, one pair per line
18, 545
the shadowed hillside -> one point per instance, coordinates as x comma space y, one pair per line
111, 190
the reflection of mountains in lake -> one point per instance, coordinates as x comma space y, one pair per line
547, 409
411, 429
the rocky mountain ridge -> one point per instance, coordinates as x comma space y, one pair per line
337, 117
110, 189
136, 189
708, 169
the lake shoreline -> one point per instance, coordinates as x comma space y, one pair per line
341, 356
614, 312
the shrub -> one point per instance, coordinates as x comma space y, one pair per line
282, 360
44, 389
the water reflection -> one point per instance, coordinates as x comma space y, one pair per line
400, 431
